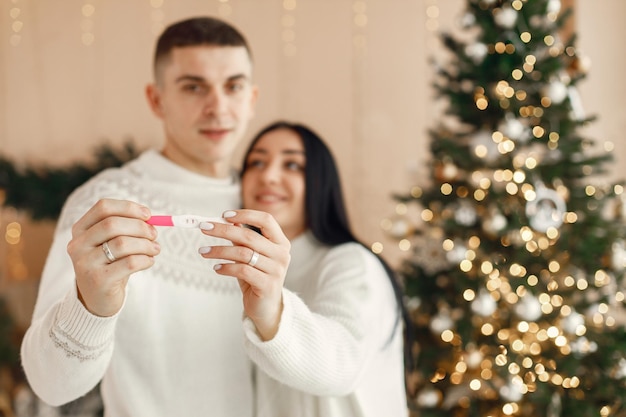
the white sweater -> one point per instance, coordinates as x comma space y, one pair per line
176, 346
336, 353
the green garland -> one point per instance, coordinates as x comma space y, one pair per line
10, 366
42, 190
9, 338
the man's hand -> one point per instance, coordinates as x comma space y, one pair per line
109, 243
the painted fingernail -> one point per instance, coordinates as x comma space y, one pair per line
206, 226
229, 213
217, 267
204, 250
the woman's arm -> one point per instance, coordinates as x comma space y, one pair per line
324, 347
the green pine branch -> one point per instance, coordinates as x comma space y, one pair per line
41, 190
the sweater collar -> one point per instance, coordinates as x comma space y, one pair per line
302, 247
153, 164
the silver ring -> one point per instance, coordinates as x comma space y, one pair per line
107, 252
254, 259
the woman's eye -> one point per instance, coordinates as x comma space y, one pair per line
254, 164
294, 166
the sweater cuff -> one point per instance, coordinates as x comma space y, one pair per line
281, 336
79, 332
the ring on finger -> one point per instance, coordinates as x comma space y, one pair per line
107, 252
254, 258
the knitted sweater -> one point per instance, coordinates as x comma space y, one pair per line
176, 346
338, 351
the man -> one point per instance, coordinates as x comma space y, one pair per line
161, 333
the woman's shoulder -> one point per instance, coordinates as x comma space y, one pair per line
353, 249
355, 255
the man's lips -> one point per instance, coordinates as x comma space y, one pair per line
214, 134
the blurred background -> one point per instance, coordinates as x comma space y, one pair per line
72, 78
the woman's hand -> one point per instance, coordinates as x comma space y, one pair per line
259, 262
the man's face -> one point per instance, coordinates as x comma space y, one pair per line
205, 98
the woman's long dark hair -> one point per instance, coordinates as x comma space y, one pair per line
326, 215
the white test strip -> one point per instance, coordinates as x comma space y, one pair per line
188, 221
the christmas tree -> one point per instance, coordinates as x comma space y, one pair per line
515, 275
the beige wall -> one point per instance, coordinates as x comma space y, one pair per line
60, 98
600, 26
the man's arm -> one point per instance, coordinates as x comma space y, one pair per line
68, 346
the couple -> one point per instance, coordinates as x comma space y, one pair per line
274, 310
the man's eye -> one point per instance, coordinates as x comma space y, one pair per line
194, 88
235, 87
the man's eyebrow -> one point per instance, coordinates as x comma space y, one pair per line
197, 78
286, 151
238, 77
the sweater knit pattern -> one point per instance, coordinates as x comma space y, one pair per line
332, 355
176, 345
179, 263
73, 347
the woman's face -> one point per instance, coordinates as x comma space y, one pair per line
273, 180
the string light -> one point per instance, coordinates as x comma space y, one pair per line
13, 233
377, 247
288, 22
359, 82
88, 10
404, 245
16, 23
225, 9
157, 16
432, 18
360, 21
16, 268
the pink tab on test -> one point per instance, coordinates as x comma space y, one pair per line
160, 221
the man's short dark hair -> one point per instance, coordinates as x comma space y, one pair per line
194, 32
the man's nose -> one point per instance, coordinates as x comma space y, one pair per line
216, 102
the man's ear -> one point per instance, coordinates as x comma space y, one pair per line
153, 95
253, 100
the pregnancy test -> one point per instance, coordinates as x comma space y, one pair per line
188, 221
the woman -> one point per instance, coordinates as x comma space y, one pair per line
328, 337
